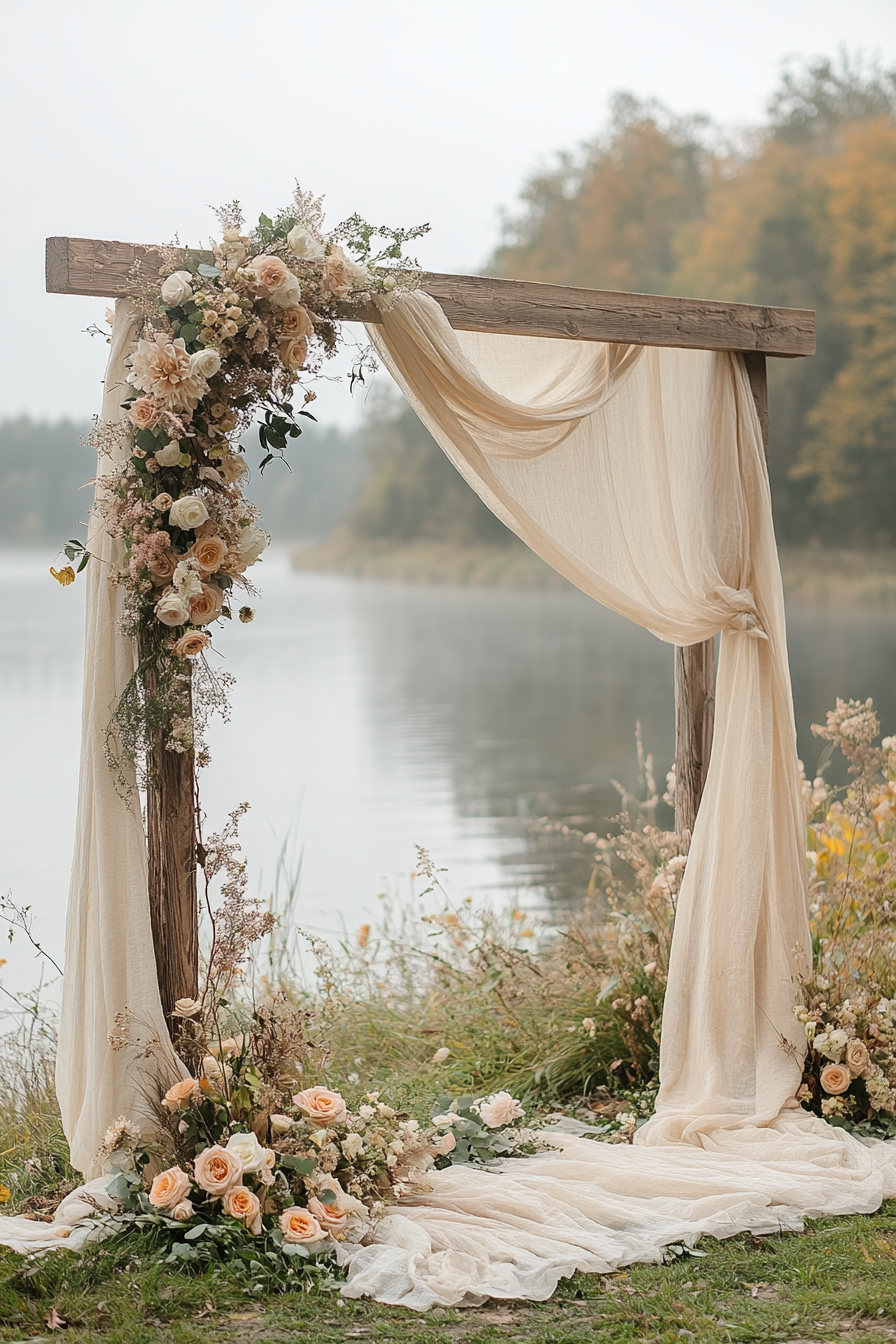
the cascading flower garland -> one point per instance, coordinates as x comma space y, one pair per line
226, 339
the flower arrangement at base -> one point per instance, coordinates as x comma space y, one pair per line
225, 339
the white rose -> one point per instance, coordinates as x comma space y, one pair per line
251, 543
499, 1109
177, 289
169, 456
249, 1151
302, 243
280, 1124
205, 363
189, 511
186, 580
288, 296
172, 610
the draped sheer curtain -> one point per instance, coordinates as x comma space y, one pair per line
639, 474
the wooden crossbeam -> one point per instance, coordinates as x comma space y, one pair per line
521, 307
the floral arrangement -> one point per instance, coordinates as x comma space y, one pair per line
850, 1003
227, 338
248, 1149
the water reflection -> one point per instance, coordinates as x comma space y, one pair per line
369, 717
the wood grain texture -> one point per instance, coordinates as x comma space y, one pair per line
757, 372
695, 704
514, 307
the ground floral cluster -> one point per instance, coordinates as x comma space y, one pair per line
226, 338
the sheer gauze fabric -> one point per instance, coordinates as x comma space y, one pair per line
640, 475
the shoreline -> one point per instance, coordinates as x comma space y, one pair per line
812, 575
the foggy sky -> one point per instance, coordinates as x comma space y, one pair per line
126, 120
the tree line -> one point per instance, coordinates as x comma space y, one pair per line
798, 211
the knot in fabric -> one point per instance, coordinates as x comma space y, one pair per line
742, 614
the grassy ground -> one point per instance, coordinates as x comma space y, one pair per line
811, 575
837, 1281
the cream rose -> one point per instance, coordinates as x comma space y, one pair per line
177, 289
296, 321
172, 610
857, 1057
500, 1109
244, 1204
191, 644
280, 1124
182, 1211
835, 1078
216, 1171
169, 456
190, 511
271, 273
144, 413
318, 1103
337, 276
300, 1228
207, 606
293, 352
302, 243
288, 296
205, 363
209, 551
251, 543
178, 1097
162, 503
330, 1216
249, 1151
233, 467
169, 1188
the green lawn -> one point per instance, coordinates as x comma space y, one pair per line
837, 1281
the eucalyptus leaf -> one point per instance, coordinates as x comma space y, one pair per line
196, 1232
210, 272
188, 331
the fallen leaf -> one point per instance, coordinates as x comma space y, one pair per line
496, 1317
245, 1316
864, 1249
54, 1320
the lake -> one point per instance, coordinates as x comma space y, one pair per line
372, 717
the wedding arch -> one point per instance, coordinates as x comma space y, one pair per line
623, 438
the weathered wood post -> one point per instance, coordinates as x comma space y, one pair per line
470, 303
695, 670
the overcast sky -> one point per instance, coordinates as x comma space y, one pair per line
126, 120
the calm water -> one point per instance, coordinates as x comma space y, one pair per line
370, 717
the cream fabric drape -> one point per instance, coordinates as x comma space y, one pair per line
640, 475
109, 962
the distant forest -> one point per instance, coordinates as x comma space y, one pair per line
43, 467
799, 211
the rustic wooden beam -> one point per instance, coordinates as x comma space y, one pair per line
695, 703
514, 307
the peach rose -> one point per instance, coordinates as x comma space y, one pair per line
193, 642
857, 1057
206, 606
209, 551
835, 1078
178, 1097
169, 1188
144, 413
161, 566
243, 1204
272, 274
296, 321
216, 1171
300, 1228
318, 1103
337, 276
330, 1217
293, 352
